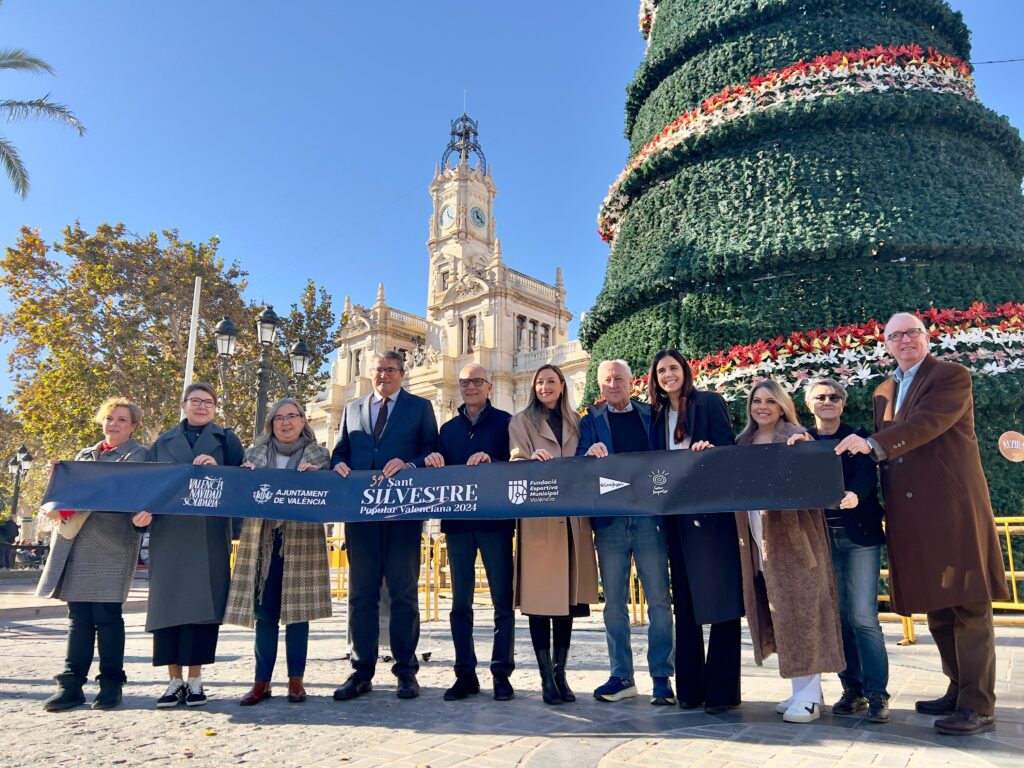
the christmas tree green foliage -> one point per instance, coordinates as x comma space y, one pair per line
807, 164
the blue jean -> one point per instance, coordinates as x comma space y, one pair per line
496, 552
268, 614
856, 568
641, 539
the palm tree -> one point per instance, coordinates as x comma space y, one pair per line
16, 58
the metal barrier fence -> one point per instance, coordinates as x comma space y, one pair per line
435, 577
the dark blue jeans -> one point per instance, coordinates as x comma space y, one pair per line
268, 614
100, 624
856, 569
496, 551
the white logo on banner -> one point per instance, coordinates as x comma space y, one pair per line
517, 491
263, 495
607, 485
659, 478
204, 492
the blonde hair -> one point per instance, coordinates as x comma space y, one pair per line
117, 402
781, 397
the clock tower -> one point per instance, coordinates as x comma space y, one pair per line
462, 242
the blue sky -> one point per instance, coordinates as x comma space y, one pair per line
305, 134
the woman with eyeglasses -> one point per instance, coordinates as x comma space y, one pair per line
90, 567
556, 568
789, 590
855, 532
703, 553
281, 573
189, 556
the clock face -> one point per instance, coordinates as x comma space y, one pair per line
478, 218
447, 216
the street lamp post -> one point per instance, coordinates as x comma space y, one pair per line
260, 372
18, 466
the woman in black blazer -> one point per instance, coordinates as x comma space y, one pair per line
703, 550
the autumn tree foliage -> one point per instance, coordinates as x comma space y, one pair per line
107, 313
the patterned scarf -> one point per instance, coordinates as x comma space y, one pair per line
294, 453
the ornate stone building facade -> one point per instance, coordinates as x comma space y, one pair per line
478, 308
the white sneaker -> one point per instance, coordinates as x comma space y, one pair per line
802, 712
783, 705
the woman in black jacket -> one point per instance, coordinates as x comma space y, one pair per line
703, 549
855, 533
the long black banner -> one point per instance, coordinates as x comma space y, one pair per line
803, 476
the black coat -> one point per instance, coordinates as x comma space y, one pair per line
863, 523
190, 556
708, 544
459, 439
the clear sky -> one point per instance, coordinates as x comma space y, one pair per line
305, 134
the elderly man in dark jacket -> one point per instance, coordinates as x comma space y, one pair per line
478, 435
944, 554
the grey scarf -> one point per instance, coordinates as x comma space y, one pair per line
294, 453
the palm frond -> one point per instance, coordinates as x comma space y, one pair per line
11, 161
40, 108
19, 58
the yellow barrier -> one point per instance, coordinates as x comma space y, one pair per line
1009, 527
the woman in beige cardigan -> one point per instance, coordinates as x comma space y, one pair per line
556, 569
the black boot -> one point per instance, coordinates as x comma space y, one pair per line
69, 693
549, 691
110, 690
561, 657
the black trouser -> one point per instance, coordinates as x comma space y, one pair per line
715, 680
496, 551
92, 624
377, 551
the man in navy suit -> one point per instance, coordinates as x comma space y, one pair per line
622, 425
388, 430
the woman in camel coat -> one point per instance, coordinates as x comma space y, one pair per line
556, 569
789, 588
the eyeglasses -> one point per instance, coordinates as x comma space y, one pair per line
195, 402
913, 333
282, 418
389, 369
832, 398
477, 382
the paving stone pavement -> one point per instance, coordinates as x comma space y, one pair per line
378, 729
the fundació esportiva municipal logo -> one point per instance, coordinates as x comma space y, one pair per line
659, 479
263, 495
517, 491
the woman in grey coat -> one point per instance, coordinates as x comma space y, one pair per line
92, 560
189, 556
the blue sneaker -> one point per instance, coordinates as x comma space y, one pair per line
662, 693
616, 689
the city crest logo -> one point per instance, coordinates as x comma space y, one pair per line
263, 495
517, 491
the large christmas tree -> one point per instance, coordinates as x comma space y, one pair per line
799, 170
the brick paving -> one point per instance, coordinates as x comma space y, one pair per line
378, 729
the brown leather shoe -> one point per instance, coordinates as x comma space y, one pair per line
260, 691
965, 722
296, 693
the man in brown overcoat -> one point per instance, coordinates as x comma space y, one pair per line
944, 555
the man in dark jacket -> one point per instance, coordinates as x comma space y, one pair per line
478, 435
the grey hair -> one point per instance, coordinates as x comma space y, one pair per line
394, 357
268, 426
832, 384
623, 363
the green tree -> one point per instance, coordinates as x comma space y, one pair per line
108, 314
796, 166
15, 110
